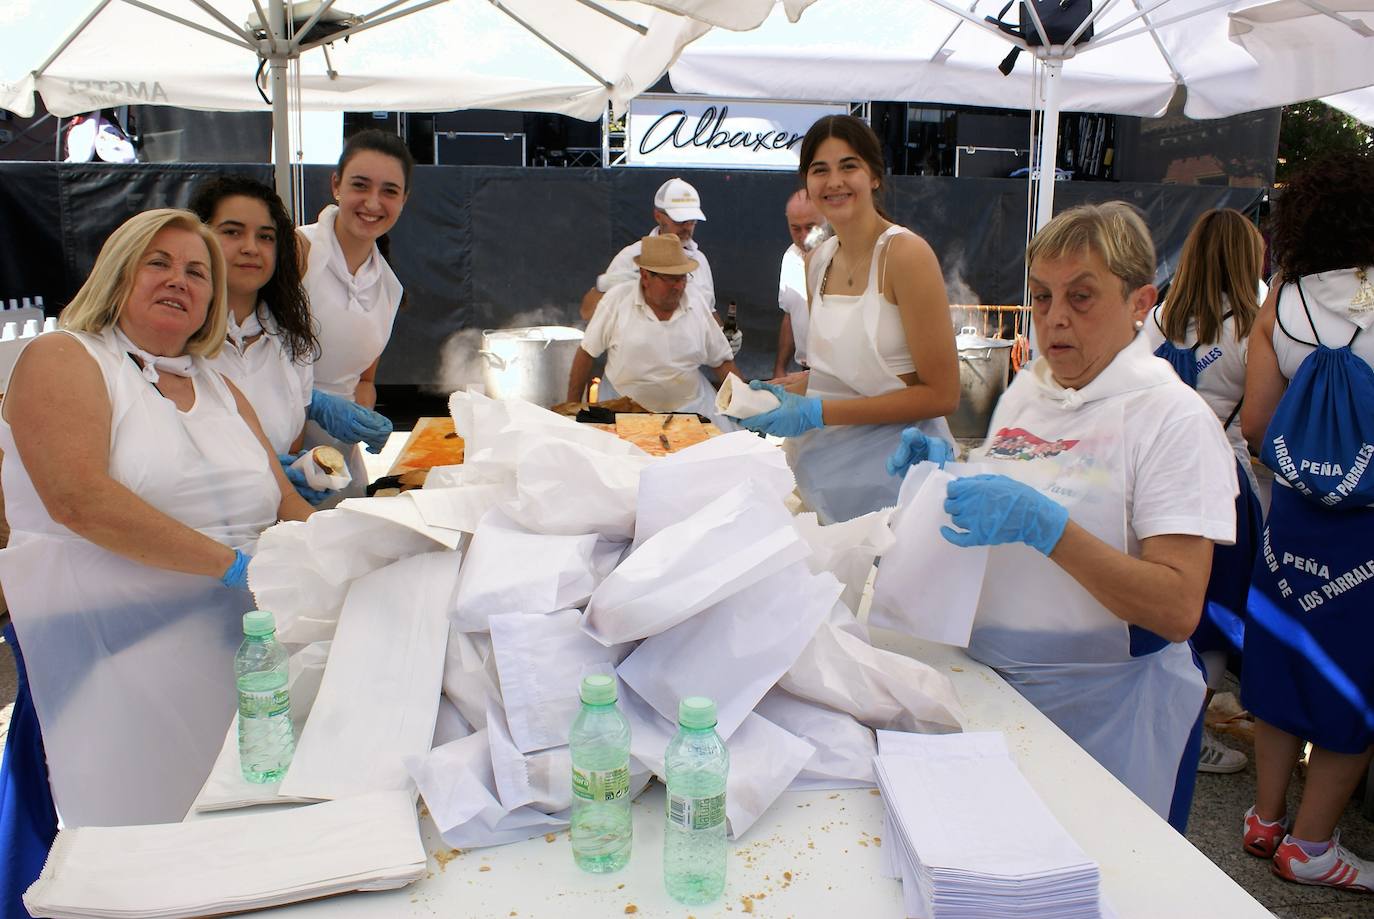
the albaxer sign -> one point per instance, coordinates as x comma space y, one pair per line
727, 133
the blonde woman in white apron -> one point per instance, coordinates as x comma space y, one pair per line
1112, 481
137, 481
354, 294
880, 343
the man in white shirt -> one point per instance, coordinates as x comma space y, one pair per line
802, 219
655, 344
677, 208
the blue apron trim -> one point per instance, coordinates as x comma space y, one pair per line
1185, 783
28, 819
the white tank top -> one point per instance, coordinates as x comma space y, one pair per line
353, 313
1334, 301
856, 344
276, 386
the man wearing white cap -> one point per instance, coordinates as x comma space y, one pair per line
655, 343
677, 208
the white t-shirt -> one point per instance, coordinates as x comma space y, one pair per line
792, 297
1180, 474
1220, 372
645, 355
701, 286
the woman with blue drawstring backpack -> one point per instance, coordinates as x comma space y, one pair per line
1201, 330
1309, 409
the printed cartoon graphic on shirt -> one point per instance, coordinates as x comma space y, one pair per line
1020, 444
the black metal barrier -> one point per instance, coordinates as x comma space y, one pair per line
490, 247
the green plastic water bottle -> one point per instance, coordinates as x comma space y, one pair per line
599, 743
694, 846
266, 738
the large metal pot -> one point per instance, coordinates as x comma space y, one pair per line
531, 363
983, 370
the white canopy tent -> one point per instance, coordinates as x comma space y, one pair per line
1230, 56
565, 56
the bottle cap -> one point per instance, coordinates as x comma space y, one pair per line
258, 623
696, 712
598, 689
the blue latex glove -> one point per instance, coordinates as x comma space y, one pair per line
994, 509
237, 575
796, 415
916, 447
348, 421
297, 478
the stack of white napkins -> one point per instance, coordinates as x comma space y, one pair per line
971, 837
234, 864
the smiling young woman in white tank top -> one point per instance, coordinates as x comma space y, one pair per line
881, 342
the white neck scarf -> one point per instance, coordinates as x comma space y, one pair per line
369, 273
238, 334
183, 366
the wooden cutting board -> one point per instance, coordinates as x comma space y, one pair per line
432, 443
659, 435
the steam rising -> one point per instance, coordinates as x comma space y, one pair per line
461, 364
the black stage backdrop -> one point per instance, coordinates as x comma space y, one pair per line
483, 247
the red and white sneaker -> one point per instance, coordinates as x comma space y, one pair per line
1336, 867
1260, 838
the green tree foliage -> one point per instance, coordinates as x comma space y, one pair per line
1312, 128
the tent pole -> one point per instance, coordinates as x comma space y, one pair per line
1049, 143
281, 127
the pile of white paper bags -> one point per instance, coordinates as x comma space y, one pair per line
454, 623
972, 838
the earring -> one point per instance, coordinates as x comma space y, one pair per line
1140, 323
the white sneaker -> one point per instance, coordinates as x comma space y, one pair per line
1217, 757
1336, 867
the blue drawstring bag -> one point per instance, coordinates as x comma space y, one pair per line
1321, 438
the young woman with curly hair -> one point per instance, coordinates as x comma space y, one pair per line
1309, 410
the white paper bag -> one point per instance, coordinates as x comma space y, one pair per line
459, 788
844, 747
847, 549
569, 488
738, 539
316, 477
449, 723
734, 651
380, 693
880, 688
650, 732
927, 587
302, 570
764, 759
540, 780
234, 864
470, 676
508, 569
402, 510
736, 399
541, 660
679, 484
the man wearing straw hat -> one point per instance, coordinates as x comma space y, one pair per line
655, 343
677, 209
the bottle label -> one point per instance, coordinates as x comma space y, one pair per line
601, 785
264, 704
696, 813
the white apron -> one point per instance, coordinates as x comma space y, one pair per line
353, 314
1042, 630
276, 386
842, 471
132, 666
